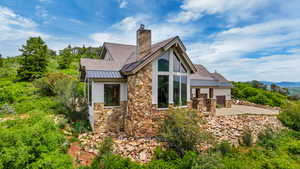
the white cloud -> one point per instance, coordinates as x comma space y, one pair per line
125, 30
14, 31
234, 9
228, 51
9, 17
123, 3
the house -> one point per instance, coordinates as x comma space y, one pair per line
130, 86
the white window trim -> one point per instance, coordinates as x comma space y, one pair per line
171, 74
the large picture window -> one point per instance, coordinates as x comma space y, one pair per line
178, 86
163, 63
183, 90
176, 90
163, 91
111, 94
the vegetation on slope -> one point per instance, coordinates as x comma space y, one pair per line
33, 89
257, 94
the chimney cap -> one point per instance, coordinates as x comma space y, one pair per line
142, 26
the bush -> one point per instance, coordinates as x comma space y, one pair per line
107, 160
247, 138
62, 122
224, 148
48, 83
267, 138
294, 147
260, 99
81, 126
170, 159
290, 115
182, 132
34, 142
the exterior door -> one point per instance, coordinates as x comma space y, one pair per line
221, 100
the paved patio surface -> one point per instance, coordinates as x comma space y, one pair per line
242, 109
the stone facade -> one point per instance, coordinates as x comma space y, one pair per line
140, 120
109, 119
228, 103
212, 105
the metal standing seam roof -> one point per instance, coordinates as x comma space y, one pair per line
100, 74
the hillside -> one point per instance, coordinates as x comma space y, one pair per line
40, 118
257, 94
283, 84
294, 90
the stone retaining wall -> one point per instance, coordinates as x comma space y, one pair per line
232, 128
229, 128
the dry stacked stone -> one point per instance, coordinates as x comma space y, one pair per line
230, 128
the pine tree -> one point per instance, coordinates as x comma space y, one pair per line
66, 58
33, 60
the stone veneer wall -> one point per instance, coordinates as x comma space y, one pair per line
109, 119
140, 120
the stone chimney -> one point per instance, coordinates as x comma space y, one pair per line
143, 41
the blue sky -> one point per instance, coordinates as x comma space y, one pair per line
242, 39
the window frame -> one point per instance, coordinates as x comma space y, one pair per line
171, 73
119, 95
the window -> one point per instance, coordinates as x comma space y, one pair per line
176, 64
111, 94
211, 93
179, 82
176, 90
183, 90
163, 91
163, 63
182, 68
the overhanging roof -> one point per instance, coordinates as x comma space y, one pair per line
100, 74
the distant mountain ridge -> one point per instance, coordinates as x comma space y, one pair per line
282, 84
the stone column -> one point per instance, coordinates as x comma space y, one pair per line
228, 103
190, 104
212, 104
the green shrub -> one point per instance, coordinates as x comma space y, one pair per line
260, 99
294, 147
81, 126
107, 160
290, 115
181, 130
224, 148
247, 138
267, 137
166, 155
249, 92
48, 83
170, 159
62, 122
34, 142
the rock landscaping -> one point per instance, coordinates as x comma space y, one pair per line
230, 128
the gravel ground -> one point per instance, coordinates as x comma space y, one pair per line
242, 109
